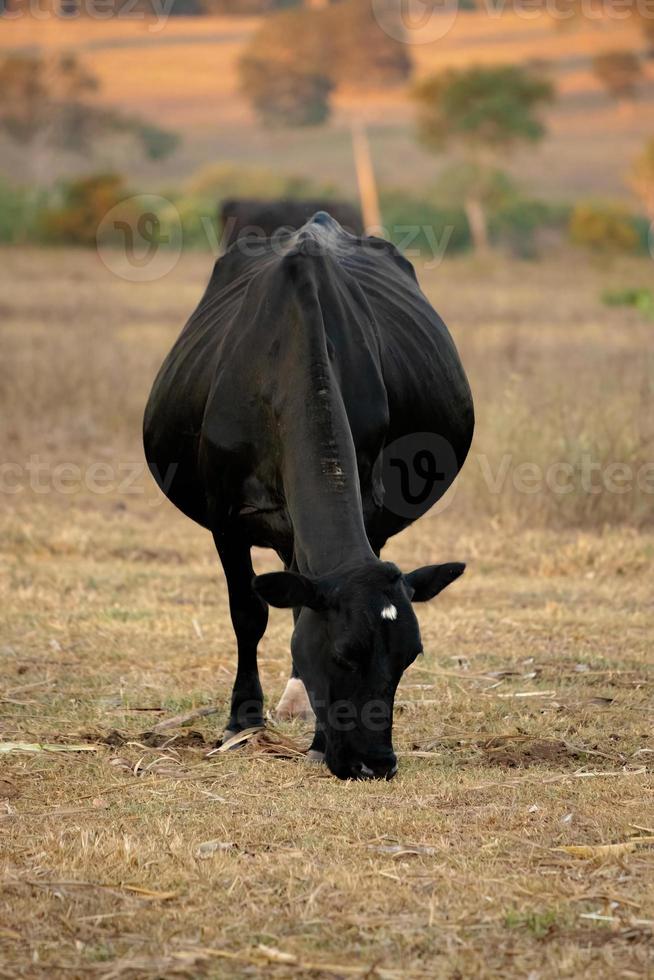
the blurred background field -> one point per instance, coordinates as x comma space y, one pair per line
526, 728
184, 76
181, 80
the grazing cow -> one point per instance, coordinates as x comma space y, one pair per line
268, 424
263, 219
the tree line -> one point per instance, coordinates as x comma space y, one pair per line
289, 72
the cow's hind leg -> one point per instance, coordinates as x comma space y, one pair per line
249, 618
294, 702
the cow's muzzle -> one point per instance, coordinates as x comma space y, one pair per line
379, 768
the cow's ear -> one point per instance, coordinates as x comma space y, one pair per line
428, 581
287, 590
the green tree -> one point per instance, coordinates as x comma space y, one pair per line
298, 57
484, 112
293, 96
619, 72
359, 53
48, 99
49, 102
282, 72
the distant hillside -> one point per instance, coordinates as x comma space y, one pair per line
182, 75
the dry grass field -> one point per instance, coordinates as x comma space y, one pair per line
181, 73
516, 840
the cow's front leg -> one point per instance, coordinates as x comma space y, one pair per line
316, 751
249, 618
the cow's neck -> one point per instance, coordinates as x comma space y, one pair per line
321, 480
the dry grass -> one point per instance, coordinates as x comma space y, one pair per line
525, 729
558, 377
559, 380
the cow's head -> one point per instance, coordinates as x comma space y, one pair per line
354, 637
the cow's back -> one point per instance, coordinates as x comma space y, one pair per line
396, 365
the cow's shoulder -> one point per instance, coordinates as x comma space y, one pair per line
386, 254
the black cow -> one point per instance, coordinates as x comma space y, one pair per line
263, 219
267, 424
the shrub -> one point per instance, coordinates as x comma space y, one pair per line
20, 211
218, 181
640, 298
645, 232
84, 203
517, 221
603, 228
513, 220
415, 223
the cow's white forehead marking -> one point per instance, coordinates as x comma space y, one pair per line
389, 612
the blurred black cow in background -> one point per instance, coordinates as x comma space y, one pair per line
262, 218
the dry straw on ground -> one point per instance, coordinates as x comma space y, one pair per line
516, 839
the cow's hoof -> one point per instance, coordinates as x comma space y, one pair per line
294, 703
315, 757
